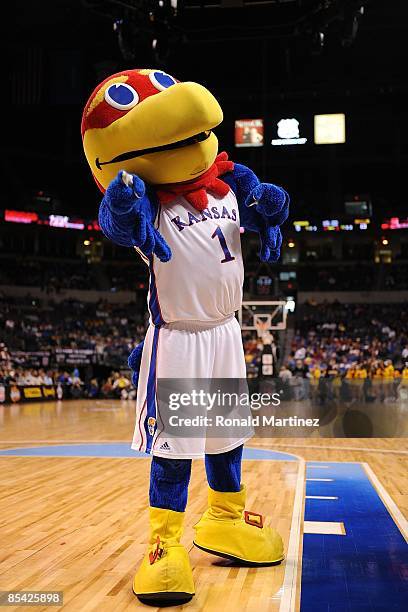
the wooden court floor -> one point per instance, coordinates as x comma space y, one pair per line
79, 524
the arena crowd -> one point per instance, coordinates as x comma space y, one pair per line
84, 346
364, 345
110, 331
49, 343
117, 385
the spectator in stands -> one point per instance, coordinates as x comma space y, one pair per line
107, 387
64, 378
120, 384
285, 374
92, 389
48, 380
76, 387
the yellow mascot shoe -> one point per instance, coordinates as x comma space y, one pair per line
165, 577
226, 530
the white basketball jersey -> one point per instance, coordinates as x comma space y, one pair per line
203, 279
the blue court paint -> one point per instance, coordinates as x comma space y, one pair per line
367, 569
122, 450
260, 454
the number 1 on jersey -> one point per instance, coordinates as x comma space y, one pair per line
218, 233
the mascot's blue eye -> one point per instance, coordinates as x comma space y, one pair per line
121, 96
161, 80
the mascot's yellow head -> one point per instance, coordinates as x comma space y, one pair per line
149, 124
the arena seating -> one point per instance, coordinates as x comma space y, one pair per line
63, 336
352, 341
131, 274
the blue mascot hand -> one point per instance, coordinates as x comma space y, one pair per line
124, 194
271, 201
134, 361
133, 215
271, 242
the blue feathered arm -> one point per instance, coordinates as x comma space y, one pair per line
127, 214
134, 361
263, 208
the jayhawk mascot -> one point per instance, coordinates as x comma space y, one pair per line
172, 197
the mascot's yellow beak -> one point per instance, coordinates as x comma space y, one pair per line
166, 138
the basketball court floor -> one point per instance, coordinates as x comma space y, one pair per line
73, 516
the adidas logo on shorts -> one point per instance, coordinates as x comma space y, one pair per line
165, 446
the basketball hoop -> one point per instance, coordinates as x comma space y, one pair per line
254, 316
262, 325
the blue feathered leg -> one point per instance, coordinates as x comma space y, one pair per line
169, 480
224, 470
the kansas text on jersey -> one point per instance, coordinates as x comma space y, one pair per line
203, 280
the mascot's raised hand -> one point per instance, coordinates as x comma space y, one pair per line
263, 207
272, 203
127, 214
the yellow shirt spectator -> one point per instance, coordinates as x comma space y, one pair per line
389, 371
